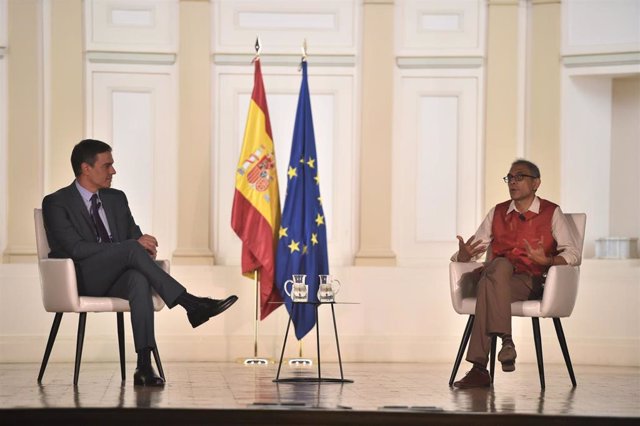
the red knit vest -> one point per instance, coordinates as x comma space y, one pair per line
509, 233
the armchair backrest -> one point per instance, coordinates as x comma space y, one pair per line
42, 244
577, 223
57, 276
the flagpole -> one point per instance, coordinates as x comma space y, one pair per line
300, 361
257, 318
256, 277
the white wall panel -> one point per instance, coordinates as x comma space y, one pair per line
436, 185
134, 110
586, 153
437, 164
333, 113
131, 25
440, 27
328, 25
600, 26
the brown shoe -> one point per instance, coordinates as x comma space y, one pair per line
507, 356
477, 377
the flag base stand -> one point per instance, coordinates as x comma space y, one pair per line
300, 362
255, 361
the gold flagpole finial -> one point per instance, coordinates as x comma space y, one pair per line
258, 47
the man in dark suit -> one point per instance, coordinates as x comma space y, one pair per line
91, 223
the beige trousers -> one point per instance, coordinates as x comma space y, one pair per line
497, 286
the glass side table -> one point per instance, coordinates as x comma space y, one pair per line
318, 379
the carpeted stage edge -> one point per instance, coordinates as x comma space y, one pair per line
280, 417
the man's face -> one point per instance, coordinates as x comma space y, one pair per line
100, 174
525, 188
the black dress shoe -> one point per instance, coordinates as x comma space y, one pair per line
146, 376
208, 308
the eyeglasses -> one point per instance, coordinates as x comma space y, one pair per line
517, 178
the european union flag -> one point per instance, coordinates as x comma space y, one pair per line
302, 243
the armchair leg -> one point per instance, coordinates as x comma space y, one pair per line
492, 359
120, 321
565, 349
52, 338
463, 346
156, 356
81, 325
538, 342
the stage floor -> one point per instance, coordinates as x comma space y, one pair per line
612, 392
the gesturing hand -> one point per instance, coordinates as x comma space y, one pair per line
537, 254
470, 249
149, 243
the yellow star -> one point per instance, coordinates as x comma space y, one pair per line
304, 249
320, 200
317, 179
292, 172
294, 246
320, 220
311, 163
314, 238
302, 160
283, 232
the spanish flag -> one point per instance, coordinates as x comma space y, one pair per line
255, 217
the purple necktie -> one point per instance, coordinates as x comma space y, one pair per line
101, 231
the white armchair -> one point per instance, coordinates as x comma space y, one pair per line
558, 300
60, 295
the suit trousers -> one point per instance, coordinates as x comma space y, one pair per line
127, 271
497, 287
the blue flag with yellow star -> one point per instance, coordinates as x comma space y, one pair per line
302, 243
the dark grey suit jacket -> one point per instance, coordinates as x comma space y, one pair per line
70, 229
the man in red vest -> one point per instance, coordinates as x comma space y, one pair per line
525, 236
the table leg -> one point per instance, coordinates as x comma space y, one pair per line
318, 340
335, 329
284, 344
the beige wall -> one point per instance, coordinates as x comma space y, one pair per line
194, 169
375, 168
501, 97
25, 122
64, 99
46, 108
543, 105
46, 114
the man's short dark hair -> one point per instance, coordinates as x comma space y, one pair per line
85, 152
533, 169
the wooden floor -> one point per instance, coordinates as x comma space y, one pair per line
231, 393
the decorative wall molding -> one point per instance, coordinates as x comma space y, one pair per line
132, 25
605, 59
134, 109
285, 60
329, 26
503, 2
438, 115
600, 26
144, 58
440, 28
440, 62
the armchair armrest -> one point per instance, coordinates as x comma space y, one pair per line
560, 291
59, 285
158, 303
461, 285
